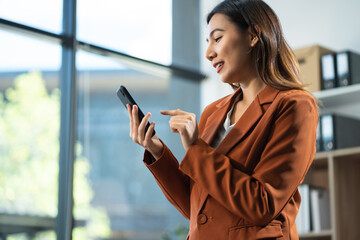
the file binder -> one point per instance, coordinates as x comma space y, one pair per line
318, 137
328, 71
303, 218
348, 68
320, 209
339, 132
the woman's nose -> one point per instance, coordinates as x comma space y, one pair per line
210, 53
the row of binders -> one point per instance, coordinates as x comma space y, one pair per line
340, 69
314, 212
336, 131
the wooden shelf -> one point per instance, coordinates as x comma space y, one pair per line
338, 172
317, 235
340, 95
354, 151
342, 100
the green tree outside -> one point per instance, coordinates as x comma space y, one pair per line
29, 150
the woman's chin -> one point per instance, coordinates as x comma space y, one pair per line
226, 80
229, 79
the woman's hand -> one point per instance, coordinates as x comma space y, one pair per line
138, 135
185, 124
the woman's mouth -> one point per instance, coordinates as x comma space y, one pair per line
219, 67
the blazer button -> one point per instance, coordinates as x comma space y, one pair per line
202, 218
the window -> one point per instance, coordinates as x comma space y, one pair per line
29, 145
138, 28
115, 196
125, 201
42, 14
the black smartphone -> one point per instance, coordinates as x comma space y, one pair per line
126, 98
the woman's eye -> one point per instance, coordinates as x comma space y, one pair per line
218, 39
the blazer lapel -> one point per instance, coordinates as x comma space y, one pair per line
216, 119
246, 122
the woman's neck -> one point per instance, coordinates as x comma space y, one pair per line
251, 88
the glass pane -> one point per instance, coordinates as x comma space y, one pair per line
29, 132
139, 28
120, 198
43, 14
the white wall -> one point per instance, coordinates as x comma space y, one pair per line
334, 24
331, 23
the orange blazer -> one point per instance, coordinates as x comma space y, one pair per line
246, 188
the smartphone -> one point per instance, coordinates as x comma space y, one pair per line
126, 98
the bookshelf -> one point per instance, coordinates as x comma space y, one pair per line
338, 171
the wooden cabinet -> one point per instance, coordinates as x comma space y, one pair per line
338, 171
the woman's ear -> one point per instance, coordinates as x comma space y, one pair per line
254, 35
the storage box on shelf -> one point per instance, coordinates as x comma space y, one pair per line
309, 63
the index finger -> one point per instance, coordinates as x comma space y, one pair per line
172, 112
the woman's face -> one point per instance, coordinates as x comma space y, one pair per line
229, 49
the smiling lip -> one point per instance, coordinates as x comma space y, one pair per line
219, 68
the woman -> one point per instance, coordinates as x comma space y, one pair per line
250, 151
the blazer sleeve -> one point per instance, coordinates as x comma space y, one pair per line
174, 183
288, 153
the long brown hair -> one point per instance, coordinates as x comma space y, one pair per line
275, 62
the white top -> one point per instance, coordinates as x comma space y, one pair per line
226, 127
